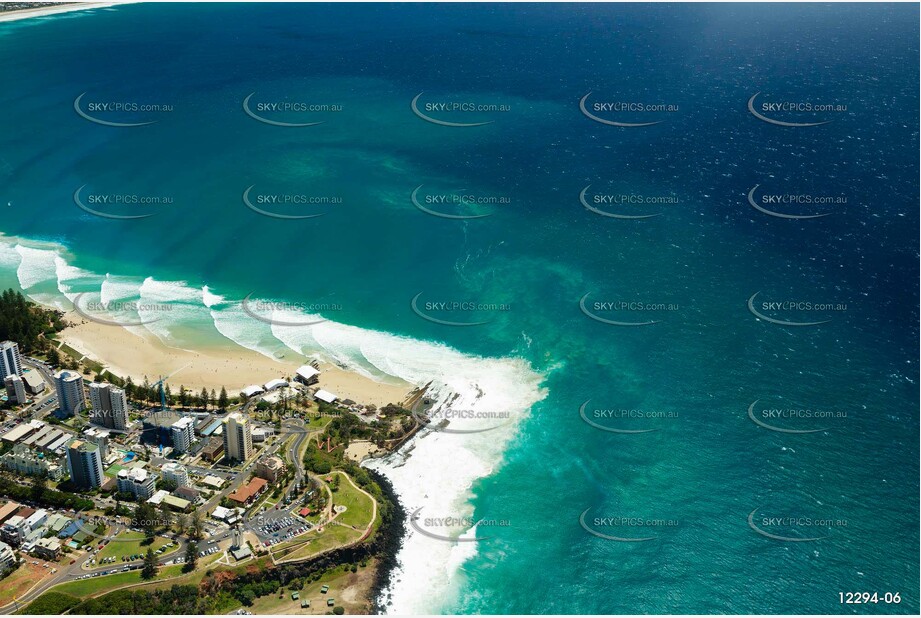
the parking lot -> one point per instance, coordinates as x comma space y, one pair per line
275, 527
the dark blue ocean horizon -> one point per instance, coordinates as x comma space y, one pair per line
707, 481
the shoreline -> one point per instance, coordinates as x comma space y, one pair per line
126, 354
44, 11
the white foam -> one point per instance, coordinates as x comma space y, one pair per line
69, 277
169, 307
443, 467
233, 323
36, 266
10, 258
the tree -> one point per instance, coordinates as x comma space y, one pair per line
195, 530
191, 556
54, 357
150, 565
222, 399
182, 523
166, 515
204, 398
39, 482
145, 518
213, 398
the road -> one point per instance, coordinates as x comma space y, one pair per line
71, 572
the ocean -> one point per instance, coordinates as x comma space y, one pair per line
707, 407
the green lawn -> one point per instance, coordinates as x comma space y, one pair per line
97, 585
128, 543
331, 537
358, 506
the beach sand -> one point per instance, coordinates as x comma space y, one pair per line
125, 353
55, 9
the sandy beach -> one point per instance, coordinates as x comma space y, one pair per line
127, 354
43, 11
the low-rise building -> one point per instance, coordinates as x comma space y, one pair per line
307, 374
175, 473
8, 510
252, 390
221, 513
271, 385
7, 558
36, 519
137, 481
18, 432
324, 396
14, 530
175, 503
270, 468
15, 388
213, 450
248, 493
49, 548
34, 382
212, 481
187, 493
23, 460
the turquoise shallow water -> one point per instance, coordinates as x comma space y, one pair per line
707, 467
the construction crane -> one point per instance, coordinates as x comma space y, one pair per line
159, 384
163, 408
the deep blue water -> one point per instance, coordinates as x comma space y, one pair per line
705, 467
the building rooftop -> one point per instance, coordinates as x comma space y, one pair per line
184, 422
276, 383
18, 432
325, 396
252, 389
178, 503
8, 509
213, 481
306, 372
244, 493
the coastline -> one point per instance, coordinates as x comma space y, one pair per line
125, 353
44, 11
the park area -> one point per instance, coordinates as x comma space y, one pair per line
129, 543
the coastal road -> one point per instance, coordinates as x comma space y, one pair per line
71, 572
